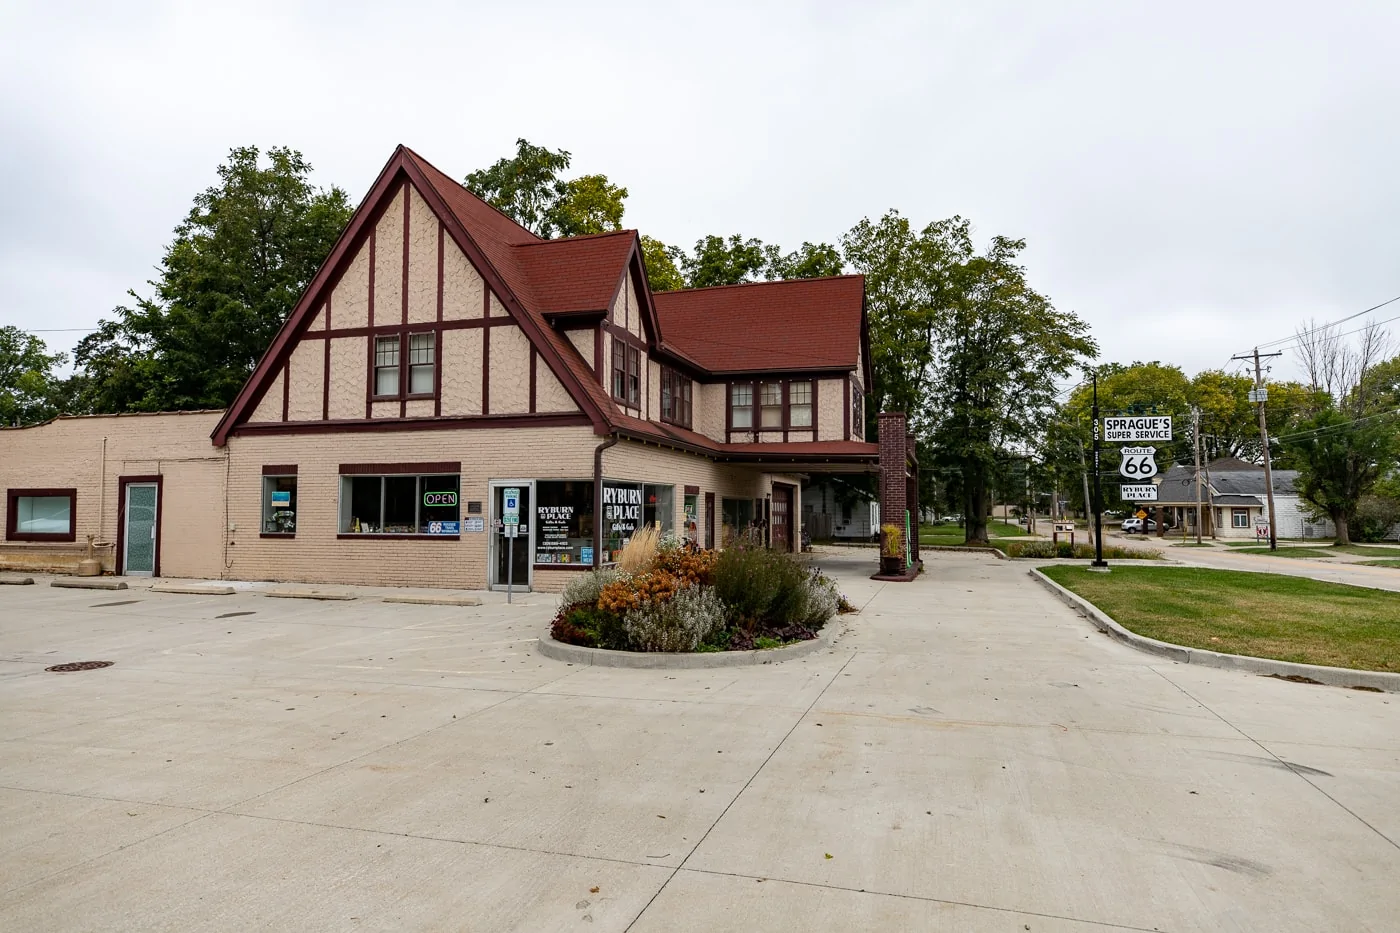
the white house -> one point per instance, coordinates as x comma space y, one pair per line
854, 515
1234, 498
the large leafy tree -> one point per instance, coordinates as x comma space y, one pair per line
1001, 346
30, 390
1341, 460
238, 263
528, 188
721, 261
662, 274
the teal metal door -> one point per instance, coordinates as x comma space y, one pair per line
140, 535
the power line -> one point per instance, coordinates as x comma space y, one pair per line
1337, 427
1302, 337
1322, 327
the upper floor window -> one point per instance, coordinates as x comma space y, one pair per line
780, 406
857, 411
422, 355
626, 373
770, 396
675, 397
800, 404
386, 365
741, 406
422, 364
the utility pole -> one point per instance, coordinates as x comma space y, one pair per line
1196, 443
1098, 561
1261, 395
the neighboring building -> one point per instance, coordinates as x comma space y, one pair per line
1234, 502
442, 357
839, 511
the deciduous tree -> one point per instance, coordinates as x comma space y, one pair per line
29, 385
239, 261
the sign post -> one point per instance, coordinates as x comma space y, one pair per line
510, 521
1098, 563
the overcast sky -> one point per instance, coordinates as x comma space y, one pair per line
1191, 178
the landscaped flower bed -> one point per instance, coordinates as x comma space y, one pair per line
673, 596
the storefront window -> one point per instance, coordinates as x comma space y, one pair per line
400, 505
563, 522
738, 518
41, 514
660, 507
622, 516
692, 517
279, 505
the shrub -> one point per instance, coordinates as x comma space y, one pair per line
679, 623
563, 629
689, 563
757, 584
818, 603
640, 550
892, 541
1041, 550
584, 588
629, 591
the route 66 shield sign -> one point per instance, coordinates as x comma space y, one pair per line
1138, 462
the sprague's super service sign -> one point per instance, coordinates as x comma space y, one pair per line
1144, 428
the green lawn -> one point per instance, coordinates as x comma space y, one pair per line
1262, 614
949, 534
1331, 550
1388, 562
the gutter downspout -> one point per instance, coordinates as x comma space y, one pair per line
598, 499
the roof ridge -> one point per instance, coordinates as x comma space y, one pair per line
815, 278
574, 239
424, 163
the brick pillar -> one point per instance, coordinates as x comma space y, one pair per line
893, 488
911, 497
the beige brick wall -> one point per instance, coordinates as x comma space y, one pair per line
388, 264
422, 260
624, 309
317, 555
550, 394
461, 372
350, 300
347, 395
708, 417
69, 453
510, 371
583, 343
831, 409
270, 408
462, 285
307, 369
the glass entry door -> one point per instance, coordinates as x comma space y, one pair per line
510, 558
139, 556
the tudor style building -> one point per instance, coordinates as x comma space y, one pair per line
446, 374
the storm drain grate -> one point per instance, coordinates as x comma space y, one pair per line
78, 666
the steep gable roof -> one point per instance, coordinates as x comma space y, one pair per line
488, 239
797, 324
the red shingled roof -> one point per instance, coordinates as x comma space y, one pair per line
798, 324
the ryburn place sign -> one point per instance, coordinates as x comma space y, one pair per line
1138, 428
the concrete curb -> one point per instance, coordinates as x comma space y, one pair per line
7, 579
1332, 676
88, 583
958, 549
307, 594
434, 600
656, 660
192, 589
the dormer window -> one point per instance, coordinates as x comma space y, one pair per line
675, 397
626, 373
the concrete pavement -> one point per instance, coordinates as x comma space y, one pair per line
969, 755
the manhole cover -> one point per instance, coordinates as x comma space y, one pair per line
78, 666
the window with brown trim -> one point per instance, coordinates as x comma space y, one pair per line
386, 367
422, 360
41, 514
857, 411
770, 405
626, 373
741, 406
675, 397
800, 404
